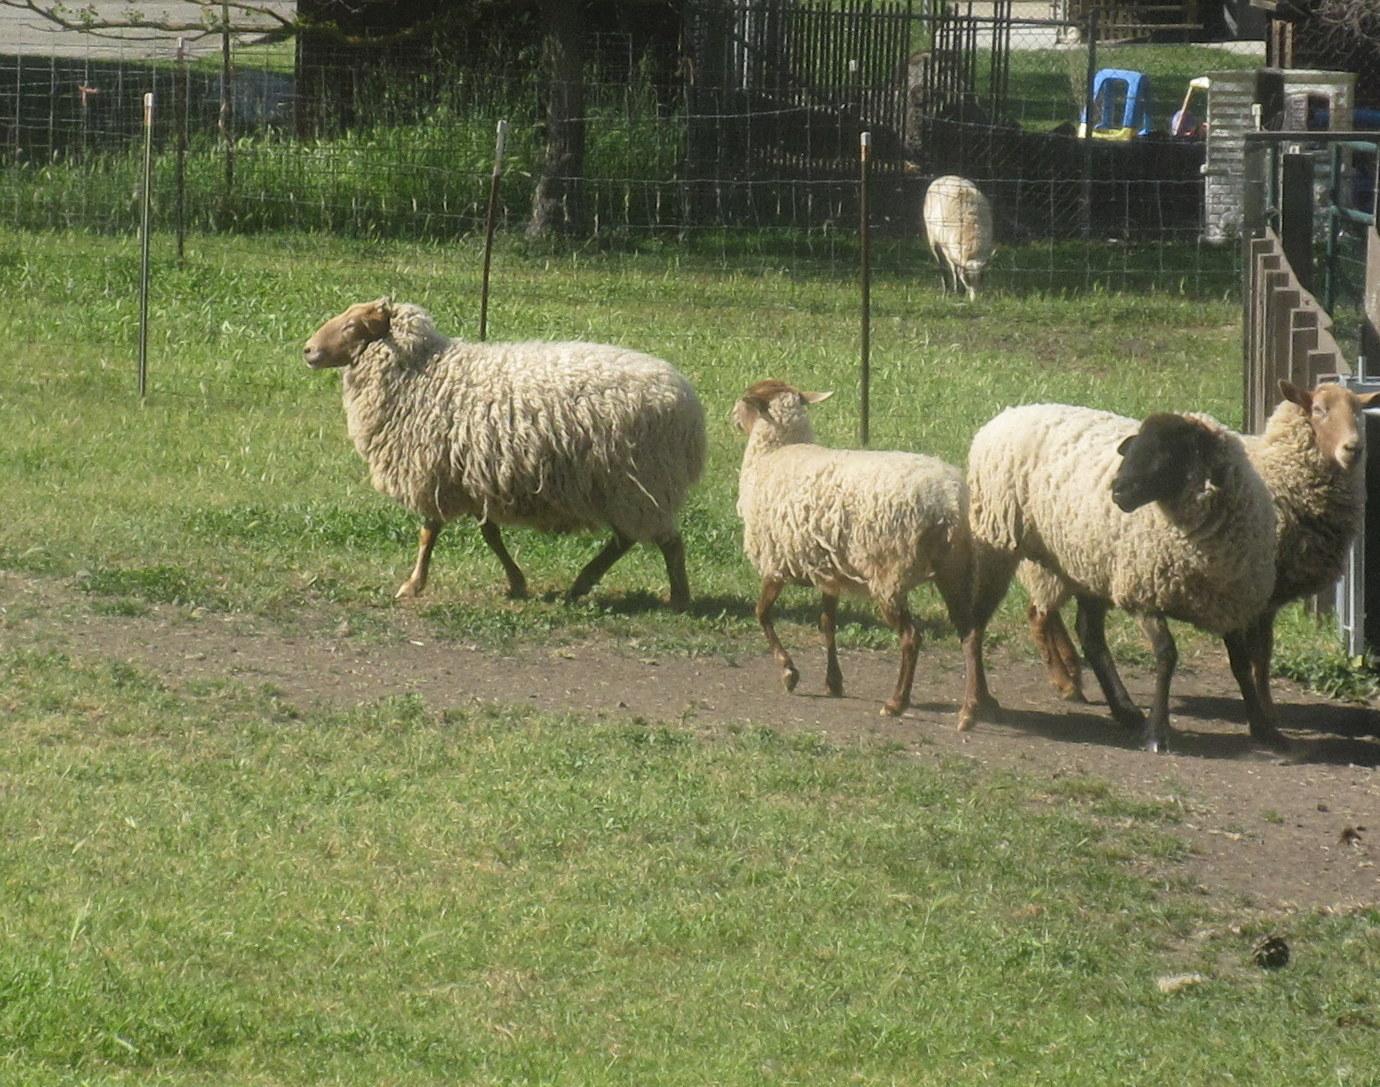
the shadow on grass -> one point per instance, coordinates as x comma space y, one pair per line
1330, 735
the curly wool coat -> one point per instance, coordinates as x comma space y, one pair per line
1040, 487
842, 520
557, 436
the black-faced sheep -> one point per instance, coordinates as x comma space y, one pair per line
875, 524
1310, 456
1166, 519
561, 437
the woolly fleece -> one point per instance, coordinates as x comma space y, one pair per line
557, 436
1040, 480
1319, 506
958, 224
856, 521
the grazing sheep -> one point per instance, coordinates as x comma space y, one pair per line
872, 523
1166, 519
958, 225
1310, 457
561, 437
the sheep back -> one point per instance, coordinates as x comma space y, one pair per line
876, 523
958, 221
1040, 486
558, 436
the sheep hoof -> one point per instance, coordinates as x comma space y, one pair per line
1071, 694
985, 709
408, 590
1271, 737
789, 678
834, 688
893, 709
1128, 717
517, 591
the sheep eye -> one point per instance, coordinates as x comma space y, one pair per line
1319, 411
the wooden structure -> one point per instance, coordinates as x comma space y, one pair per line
1288, 335
1127, 20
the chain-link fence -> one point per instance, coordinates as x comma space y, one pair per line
746, 142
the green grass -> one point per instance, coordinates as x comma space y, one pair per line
202, 887
1047, 86
235, 487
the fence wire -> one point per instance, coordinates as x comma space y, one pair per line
749, 153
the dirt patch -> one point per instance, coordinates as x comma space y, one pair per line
1276, 833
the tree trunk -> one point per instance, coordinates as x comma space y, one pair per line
557, 207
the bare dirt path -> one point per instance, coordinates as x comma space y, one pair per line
1275, 833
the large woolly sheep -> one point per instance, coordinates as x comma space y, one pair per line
560, 437
1166, 519
875, 524
1310, 456
958, 226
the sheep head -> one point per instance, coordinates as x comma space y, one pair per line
341, 339
1162, 460
1334, 413
756, 403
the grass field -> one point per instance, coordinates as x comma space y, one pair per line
202, 885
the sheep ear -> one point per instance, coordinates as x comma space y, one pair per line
1369, 400
816, 398
377, 318
1302, 397
1125, 444
759, 405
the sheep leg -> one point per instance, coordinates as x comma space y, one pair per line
1156, 628
416, 581
1062, 667
1243, 652
1262, 645
598, 566
1092, 632
517, 584
992, 571
673, 551
828, 623
771, 589
898, 617
943, 268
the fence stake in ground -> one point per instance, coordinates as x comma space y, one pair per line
146, 200
501, 139
182, 95
865, 232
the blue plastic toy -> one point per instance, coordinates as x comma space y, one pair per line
1121, 101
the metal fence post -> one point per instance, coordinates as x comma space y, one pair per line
500, 140
865, 232
147, 200
1086, 199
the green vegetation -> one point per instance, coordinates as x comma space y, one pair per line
235, 487
1046, 86
200, 886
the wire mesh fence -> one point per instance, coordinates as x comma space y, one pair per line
747, 145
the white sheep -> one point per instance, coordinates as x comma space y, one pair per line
958, 226
560, 437
1310, 456
847, 521
1166, 519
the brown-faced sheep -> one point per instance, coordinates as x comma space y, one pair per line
560, 437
